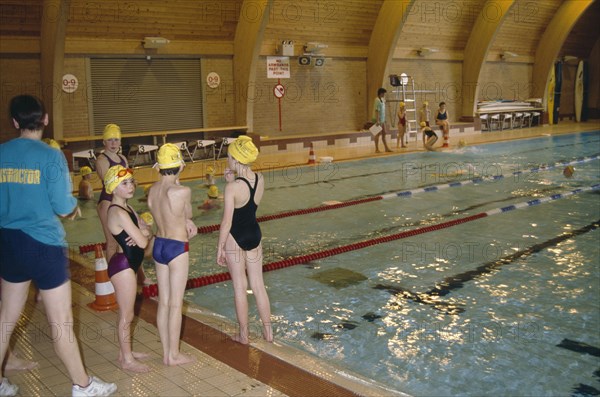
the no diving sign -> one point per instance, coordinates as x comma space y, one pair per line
279, 91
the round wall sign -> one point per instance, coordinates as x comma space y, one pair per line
69, 83
213, 80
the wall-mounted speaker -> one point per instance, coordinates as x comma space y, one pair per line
319, 61
304, 60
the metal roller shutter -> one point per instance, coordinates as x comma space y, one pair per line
146, 95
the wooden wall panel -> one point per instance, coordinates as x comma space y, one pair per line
21, 17
175, 20
219, 102
584, 35
19, 75
330, 22
523, 27
75, 105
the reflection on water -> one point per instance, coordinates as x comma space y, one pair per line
466, 310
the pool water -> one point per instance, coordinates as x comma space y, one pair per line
504, 305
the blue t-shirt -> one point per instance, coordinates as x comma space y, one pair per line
35, 187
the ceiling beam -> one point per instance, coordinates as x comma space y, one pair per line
552, 41
488, 23
52, 54
388, 26
249, 33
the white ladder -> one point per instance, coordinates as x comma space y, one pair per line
405, 92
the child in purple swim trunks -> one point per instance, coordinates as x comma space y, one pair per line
132, 235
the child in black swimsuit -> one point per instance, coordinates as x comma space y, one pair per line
132, 235
239, 246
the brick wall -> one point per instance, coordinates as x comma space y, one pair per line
318, 99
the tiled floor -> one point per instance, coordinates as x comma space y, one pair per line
98, 342
208, 376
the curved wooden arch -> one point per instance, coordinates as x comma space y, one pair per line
481, 37
246, 48
552, 41
389, 23
52, 55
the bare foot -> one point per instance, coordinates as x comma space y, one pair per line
388, 150
134, 366
140, 356
268, 333
239, 339
377, 151
16, 363
180, 359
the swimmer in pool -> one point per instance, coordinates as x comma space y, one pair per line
212, 201
568, 171
171, 206
429, 136
239, 246
132, 235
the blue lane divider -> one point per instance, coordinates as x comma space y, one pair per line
410, 193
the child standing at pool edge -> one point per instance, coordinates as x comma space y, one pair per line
171, 207
239, 246
132, 235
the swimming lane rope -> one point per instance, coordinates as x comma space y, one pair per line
152, 290
403, 194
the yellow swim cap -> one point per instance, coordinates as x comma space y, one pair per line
402, 104
243, 150
114, 176
85, 170
423, 124
52, 143
425, 103
213, 192
210, 169
147, 218
169, 156
111, 131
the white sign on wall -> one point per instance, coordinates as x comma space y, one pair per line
213, 80
69, 83
278, 67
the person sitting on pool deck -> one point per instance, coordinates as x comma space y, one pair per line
429, 136
132, 236
86, 191
239, 246
171, 206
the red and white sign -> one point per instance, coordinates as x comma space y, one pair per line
278, 67
279, 91
213, 80
69, 83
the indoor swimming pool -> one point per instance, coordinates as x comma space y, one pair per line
504, 303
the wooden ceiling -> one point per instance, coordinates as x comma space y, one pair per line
341, 24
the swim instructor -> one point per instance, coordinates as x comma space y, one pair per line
33, 240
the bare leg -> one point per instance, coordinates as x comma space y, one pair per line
254, 262
125, 289
171, 284
16, 363
236, 263
387, 149
14, 296
377, 142
57, 302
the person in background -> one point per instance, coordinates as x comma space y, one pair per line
35, 190
111, 138
171, 206
442, 120
429, 136
425, 114
239, 247
379, 119
211, 202
86, 191
401, 125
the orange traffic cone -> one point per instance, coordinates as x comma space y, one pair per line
105, 292
311, 155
